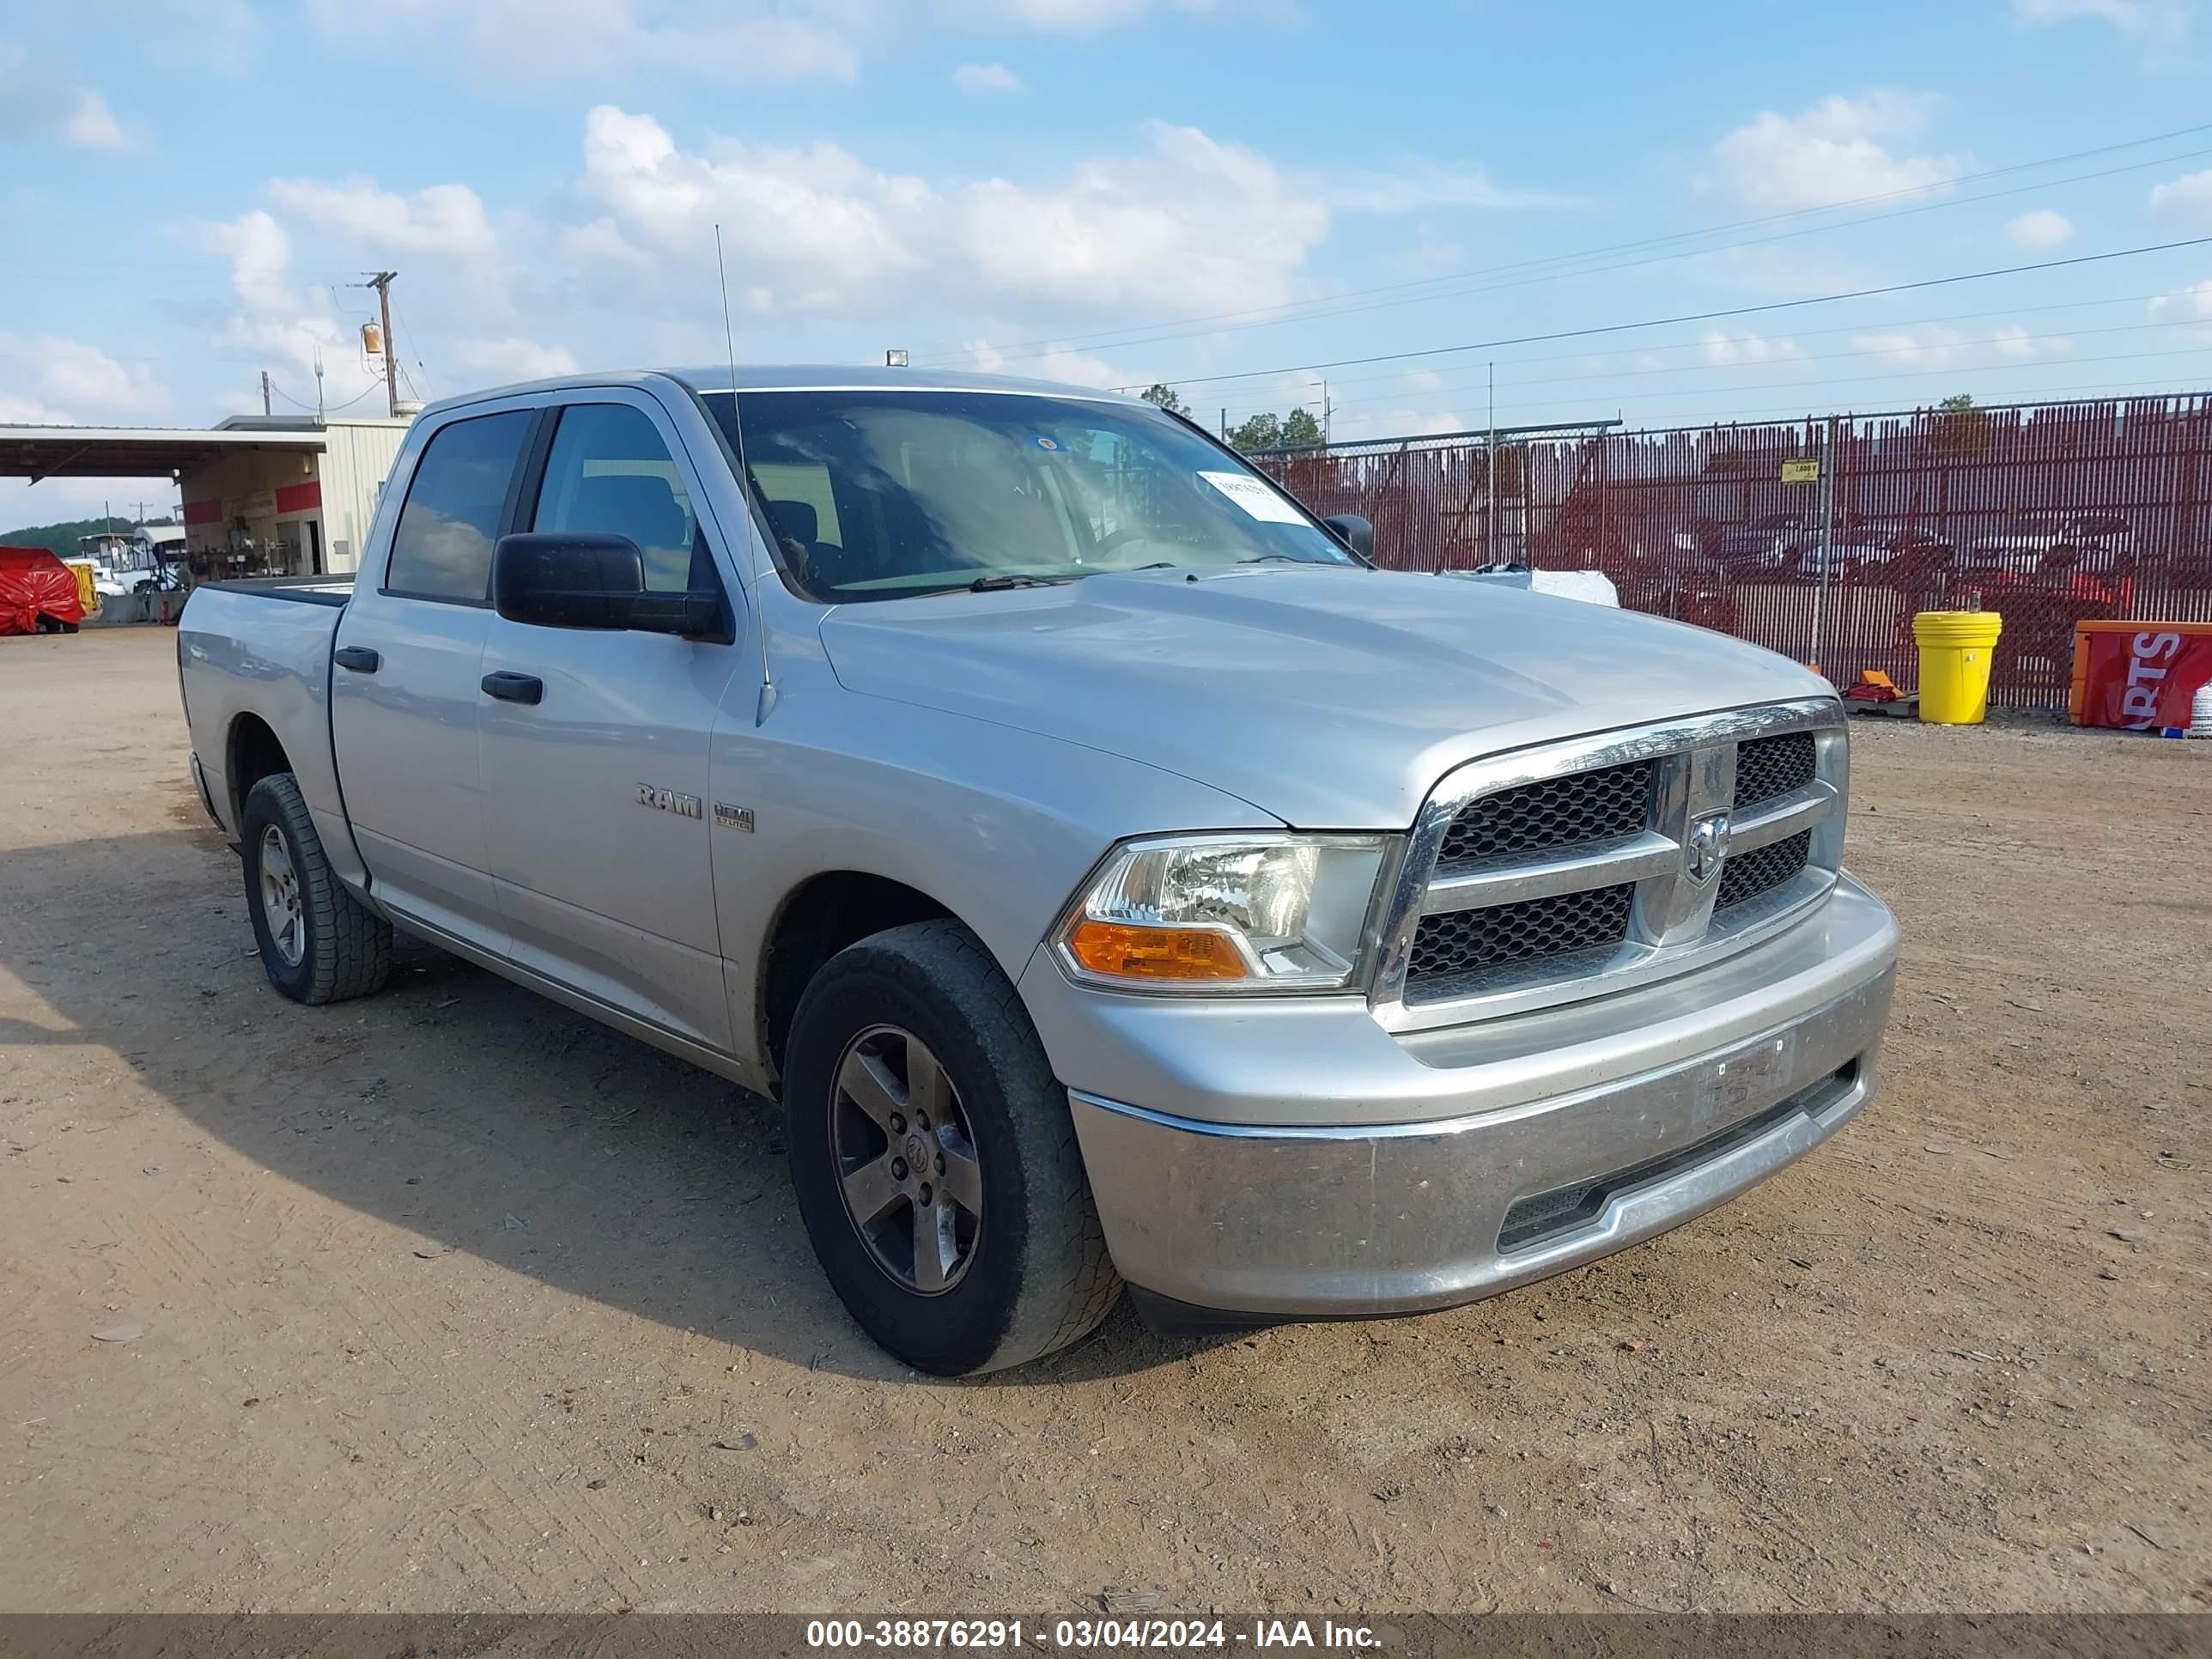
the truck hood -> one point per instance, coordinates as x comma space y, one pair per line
1330, 698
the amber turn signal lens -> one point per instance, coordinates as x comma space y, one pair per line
1122, 952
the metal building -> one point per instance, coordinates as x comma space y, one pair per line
260, 495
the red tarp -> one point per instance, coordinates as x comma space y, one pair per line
2144, 678
34, 583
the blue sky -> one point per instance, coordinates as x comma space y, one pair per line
1113, 192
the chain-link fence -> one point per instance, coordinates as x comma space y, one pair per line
1821, 538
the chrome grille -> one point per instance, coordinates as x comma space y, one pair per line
1768, 767
1461, 942
1586, 866
1747, 875
1607, 805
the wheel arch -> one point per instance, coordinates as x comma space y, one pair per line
817, 919
251, 751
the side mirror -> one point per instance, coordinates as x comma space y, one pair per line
574, 579
1355, 533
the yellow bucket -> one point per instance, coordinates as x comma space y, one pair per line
1955, 664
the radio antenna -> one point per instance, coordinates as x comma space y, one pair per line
745, 484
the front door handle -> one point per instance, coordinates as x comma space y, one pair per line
359, 657
514, 688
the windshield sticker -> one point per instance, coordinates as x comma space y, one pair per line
1048, 443
1255, 498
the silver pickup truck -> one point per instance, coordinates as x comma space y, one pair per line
1115, 876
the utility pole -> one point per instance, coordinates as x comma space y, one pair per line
382, 281
1827, 543
1490, 477
265, 392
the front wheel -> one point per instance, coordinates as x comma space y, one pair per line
934, 1159
318, 942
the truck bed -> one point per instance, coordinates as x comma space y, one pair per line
333, 591
257, 653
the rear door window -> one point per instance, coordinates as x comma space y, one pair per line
442, 547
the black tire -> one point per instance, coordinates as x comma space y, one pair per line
1038, 1277
346, 951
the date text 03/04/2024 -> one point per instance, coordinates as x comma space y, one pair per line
1171, 1635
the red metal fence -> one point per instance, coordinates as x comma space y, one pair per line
2051, 514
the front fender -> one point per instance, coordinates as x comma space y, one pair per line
996, 825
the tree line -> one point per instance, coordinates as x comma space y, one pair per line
62, 538
1296, 430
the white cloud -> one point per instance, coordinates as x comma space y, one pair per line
1186, 220
1839, 150
2130, 17
29, 411
2192, 305
515, 359
52, 380
1057, 362
289, 323
1721, 348
1351, 425
1791, 272
1423, 185
84, 377
822, 246
2042, 229
2195, 301
985, 77
1428, 256
2184, 203
533, 42
1936, 347
441, 218
43, 102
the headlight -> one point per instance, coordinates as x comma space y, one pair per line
1226, 913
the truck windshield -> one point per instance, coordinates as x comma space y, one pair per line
882, 494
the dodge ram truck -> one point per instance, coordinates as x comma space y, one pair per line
1116, 877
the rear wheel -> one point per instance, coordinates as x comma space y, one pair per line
934, 1159
318, 942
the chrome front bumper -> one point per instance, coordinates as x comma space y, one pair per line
1616, 1126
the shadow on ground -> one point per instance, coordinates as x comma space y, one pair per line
471, 1112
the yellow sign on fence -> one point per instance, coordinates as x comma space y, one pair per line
1806, 470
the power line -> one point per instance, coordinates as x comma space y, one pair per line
2022, 338
1949, 371
389, 346
1415, 394
1709, 415
1571, 265
329, 408
1688, 316
2165, 387
1304, 310
1817, 333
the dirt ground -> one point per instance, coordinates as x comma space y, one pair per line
449, 1299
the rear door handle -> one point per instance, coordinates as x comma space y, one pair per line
359, 657
514, 688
